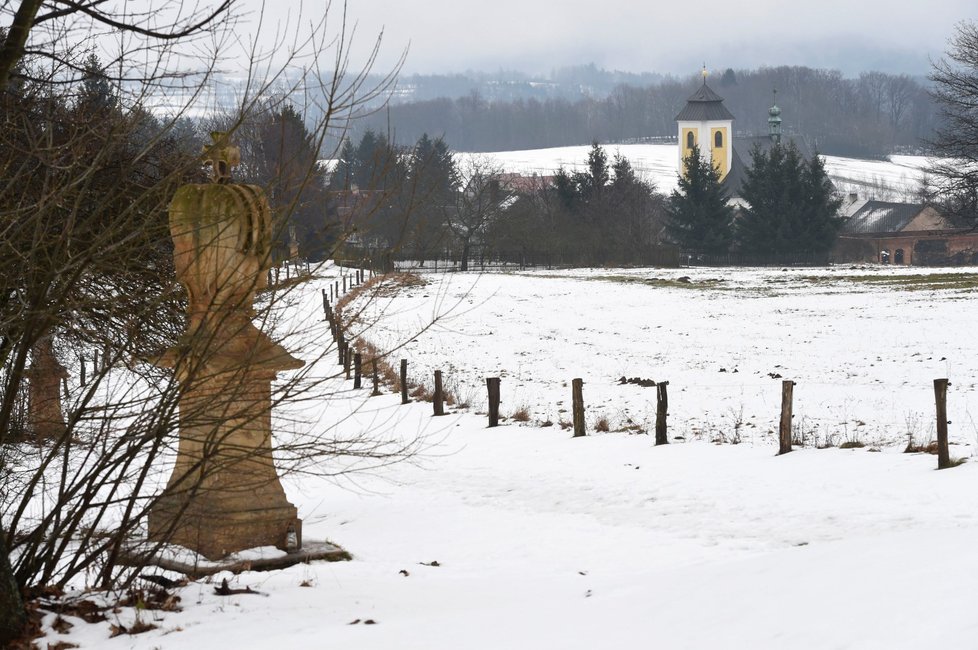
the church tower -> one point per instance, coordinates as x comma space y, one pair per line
774, 121
706, 123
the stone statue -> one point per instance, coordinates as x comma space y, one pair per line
224, 494
44, 396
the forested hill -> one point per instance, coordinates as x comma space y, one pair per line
869, 116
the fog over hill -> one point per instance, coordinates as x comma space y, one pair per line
872, 114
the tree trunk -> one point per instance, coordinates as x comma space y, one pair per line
465, 256
12, 615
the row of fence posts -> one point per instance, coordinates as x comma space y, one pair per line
661, 410
940, 400
98, 364
349, 360
493, 388
274, 273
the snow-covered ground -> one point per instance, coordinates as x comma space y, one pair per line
522, 537
863, 346
887, 180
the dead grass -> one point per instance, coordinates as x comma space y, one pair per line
852, 444
421, 392
381, 286
906, 282
522, 414
602, 425
387, 374
928, 448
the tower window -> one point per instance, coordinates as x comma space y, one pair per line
718, 139
690, 142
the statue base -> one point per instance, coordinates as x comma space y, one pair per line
217, 530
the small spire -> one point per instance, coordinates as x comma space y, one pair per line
704, 73
774, 120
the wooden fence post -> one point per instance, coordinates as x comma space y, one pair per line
357, 370
81, 358
577, 393
404, 395
347, 359
336, 286
344, 283
661, 412
341, 347
325, 305
492, 384
784, 431
376, 378
940, 395
438, 398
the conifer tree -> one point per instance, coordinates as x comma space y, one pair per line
433, 180
698, 215
791, 210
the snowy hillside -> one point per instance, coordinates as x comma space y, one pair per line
523, 537
659, 163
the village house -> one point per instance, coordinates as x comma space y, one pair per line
902, 233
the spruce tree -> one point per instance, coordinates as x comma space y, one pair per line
699, 218
791, 210
433, 180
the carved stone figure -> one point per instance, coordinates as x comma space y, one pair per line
44, 397
224, 494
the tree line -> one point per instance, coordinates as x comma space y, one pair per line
428, 203
869, 116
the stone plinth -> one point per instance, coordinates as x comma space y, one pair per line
224, 494
44, 397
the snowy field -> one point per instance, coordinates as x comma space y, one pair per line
522, 537
895, 179
862, 345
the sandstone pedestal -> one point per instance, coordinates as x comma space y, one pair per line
224, 494
44, 397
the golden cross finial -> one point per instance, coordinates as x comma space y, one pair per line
704, 72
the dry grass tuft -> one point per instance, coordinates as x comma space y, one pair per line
422, 393
928, 448
522, 414
602, 425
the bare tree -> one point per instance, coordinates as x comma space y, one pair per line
480, 200
955, 80
85, 259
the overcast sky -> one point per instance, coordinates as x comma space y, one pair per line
653, 36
